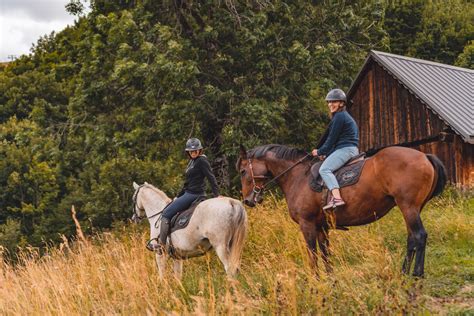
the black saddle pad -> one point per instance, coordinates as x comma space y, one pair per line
181, 220
346, 175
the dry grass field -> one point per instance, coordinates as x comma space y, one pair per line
113, 273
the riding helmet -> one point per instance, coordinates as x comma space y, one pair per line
336, 95
193, 144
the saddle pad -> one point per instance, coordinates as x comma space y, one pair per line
346, 175
181, 220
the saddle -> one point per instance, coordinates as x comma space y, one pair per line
346, 175
181, 220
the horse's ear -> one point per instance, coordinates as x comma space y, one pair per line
146, 183
135, 185
243, 152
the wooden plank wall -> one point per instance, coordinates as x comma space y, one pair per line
458, 158
467, 165
445, 152
387, 113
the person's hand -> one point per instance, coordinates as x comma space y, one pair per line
314, 152
322, 157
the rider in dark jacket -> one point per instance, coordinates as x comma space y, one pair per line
340, 145
194, 186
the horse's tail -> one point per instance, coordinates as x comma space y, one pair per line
238, 234
440, 172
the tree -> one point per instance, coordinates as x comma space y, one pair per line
113, 98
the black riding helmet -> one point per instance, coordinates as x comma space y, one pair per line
193, 144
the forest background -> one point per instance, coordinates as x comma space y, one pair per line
112, 99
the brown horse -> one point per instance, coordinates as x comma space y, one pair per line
393, 176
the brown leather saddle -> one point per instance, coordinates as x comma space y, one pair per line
346, 175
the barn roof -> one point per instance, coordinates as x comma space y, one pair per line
446, 90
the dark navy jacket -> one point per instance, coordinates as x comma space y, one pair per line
196, 171
342, 132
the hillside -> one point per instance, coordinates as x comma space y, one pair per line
114, 274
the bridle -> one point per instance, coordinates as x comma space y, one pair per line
135, 216
258, 190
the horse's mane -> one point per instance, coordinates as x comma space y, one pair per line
158, 191
280, 151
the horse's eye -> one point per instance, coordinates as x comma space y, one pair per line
242, 172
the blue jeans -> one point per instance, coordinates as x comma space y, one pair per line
180, 204
335, 161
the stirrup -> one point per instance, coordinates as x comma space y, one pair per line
152, 247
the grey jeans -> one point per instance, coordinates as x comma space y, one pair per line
335, 161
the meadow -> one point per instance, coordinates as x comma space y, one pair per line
113, 273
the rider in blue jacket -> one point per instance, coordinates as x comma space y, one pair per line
340, 145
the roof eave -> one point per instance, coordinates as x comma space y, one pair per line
359, 76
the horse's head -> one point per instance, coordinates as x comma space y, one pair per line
138, 210
148, 201
253, 175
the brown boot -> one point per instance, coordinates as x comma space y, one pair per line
164, 231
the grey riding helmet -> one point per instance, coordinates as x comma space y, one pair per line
336, 95
193, 144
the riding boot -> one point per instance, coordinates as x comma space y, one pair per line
164, 231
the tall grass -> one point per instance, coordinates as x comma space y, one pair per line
114, 274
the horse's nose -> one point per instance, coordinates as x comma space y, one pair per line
249, 202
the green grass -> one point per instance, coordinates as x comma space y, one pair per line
115, 274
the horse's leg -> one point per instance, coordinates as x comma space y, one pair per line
420, 245
323, 243
178, 268
161, 264
410, 253
223, 253
310, 235
417, 240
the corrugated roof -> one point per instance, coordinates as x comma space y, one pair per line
446, 90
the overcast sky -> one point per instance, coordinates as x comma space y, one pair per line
22, 22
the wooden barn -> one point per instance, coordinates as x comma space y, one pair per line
428, 106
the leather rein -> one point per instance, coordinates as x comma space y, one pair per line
259, 189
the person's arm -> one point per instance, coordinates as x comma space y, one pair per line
334, 132
206, 169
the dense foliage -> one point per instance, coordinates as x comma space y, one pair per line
113, 98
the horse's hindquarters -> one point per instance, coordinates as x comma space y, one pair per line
394, 176
210, 225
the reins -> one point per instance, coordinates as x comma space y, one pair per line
257, 189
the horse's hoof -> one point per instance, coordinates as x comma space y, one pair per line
418, 276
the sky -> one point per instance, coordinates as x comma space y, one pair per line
23, 22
